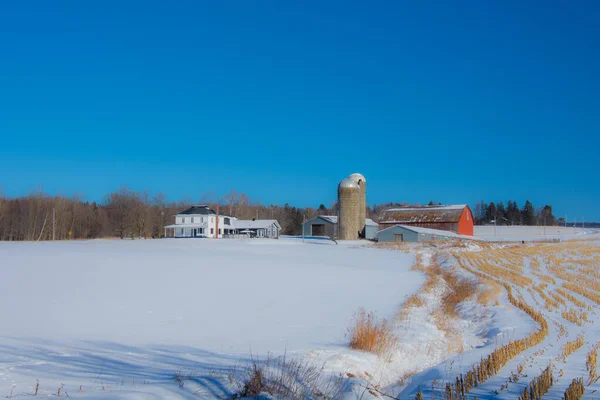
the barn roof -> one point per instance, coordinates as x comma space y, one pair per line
412, 215
417, 229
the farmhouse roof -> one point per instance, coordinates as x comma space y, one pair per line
199, 209
429, 214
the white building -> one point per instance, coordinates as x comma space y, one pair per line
201, 221
261, 228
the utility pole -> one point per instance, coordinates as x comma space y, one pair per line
53, 223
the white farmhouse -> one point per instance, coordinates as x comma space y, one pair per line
201, 221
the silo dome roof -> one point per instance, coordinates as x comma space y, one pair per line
349, 183
356, 177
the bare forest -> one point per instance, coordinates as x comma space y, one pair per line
127, 214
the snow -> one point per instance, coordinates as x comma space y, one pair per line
442, 207
122, 319
533, 360
147, 308
529, 233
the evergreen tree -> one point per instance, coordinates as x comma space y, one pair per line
501, 214
485, 217
547, 217
513, 213
528, 214
491, 212
322, 210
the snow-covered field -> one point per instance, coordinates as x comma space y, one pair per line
530, 233
181, 318
87, 312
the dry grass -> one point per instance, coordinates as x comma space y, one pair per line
367, 333
574, 265
544, 277
575, 316
491, 294
569, 348
539, 386
487, 262
557, 298
562, 330
593, 296
288, 378
490, 365
458, 289
575, 390
591, 360
549, 303
571, 298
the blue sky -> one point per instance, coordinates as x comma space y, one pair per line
279, 100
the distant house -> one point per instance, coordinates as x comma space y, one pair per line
260, 228
201, 221
452, 218
327, 225
405, 233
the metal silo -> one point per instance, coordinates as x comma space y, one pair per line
362, 212
349, 209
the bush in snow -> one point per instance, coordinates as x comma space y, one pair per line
367, 333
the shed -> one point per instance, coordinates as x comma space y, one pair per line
261, 228
371, 229
453, 218
321, 225
405, 233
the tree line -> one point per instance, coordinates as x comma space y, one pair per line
125, 213
511, 214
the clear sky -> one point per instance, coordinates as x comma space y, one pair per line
445, 101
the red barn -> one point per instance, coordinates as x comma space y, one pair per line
457, 218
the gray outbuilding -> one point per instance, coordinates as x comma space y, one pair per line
322, 225
371, 228
405, 233
327, 225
